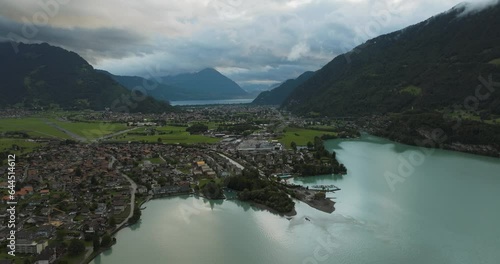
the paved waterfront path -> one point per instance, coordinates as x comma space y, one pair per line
88, 251
133, 188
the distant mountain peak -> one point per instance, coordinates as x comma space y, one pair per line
209, 70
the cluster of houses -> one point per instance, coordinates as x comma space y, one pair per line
182, 167
78, 188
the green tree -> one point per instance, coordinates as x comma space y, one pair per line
78, 172
211, 190
76, 247
106, 240
310, 145
112, 221
94, 181
136, 216
96, 243
197, 128
293, 145
162, 181
60, 234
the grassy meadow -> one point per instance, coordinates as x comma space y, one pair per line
300, 136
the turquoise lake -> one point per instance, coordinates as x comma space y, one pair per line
443, 209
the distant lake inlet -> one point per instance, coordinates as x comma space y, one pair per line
211, 102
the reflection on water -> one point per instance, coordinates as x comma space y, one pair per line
211, 102
439, 214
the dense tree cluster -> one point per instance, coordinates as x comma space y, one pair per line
76, 247
136, 216
237, 128
414, 128
262, 191
324, 162
197, 128
270, 196
212, 191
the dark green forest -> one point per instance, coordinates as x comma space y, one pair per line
434, 64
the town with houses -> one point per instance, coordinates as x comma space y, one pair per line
69, 189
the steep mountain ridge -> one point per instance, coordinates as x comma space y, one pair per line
434, 64
40, 75
278, 95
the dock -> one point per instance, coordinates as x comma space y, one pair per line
326, 188
285, 176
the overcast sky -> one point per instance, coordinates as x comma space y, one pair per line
251, 41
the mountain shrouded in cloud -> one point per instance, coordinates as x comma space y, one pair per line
440, 76
269, 40
435, 64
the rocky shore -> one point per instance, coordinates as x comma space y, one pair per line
315, 199
267, 208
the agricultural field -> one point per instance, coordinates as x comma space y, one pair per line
91, 130
166, 134
23, 145
34, 127
300, 136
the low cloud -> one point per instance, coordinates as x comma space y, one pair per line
250, 41
474, 7
94, 45
299, 51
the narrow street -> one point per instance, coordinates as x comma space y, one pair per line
232, 161
133, 189
115, 134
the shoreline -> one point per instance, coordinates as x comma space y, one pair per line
325, 205
307, 196
433, 137
269, 209
480, 150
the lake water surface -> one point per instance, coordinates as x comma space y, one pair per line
446, 211
211, 102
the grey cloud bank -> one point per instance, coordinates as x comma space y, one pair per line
250, 41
